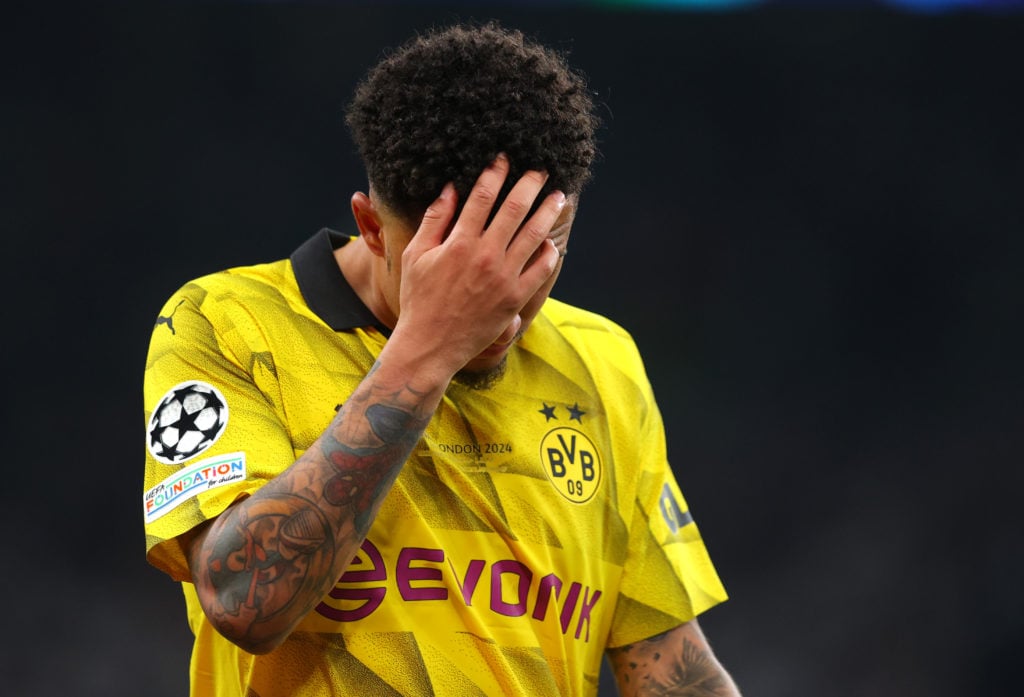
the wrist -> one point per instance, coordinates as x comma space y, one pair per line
412, 362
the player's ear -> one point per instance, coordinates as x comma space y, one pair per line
369, 222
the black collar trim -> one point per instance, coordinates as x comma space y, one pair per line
325, 288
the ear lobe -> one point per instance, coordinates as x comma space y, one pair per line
368, 221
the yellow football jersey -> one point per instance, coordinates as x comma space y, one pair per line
536, 523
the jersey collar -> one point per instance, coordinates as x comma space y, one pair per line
325, 289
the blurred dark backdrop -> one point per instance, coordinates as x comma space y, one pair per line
809, 219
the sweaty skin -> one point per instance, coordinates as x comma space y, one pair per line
264, 563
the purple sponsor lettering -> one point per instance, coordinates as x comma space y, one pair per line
509, 577
468, 585
373, 597
585, 609
549, 585
570, 605
523, 578
405, 574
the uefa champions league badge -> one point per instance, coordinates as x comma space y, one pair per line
188, 420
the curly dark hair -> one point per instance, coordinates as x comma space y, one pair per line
442, 106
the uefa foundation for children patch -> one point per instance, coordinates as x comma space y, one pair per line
191, 481
188, 420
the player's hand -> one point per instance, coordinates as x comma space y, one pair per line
463, 285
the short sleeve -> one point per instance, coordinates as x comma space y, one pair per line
213, 432
668, 578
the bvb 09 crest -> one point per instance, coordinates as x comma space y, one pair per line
572, 463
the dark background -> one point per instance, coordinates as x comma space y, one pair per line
809, 219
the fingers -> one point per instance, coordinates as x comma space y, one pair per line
537, 229
513, 210
437, 218
482, 197
526, 246
539, 267
515, 207
507, 235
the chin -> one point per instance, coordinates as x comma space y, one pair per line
482, 377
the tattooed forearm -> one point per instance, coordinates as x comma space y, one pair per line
678, 662
266, 561
364, 474
260, 563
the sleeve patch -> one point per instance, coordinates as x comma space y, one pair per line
191, 481
188, 420
675, 517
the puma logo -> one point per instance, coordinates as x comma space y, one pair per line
169, 320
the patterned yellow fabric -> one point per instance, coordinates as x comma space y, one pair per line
535, 524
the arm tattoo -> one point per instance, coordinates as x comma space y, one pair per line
662, 665
364, 474
260, 562
267, 561
695, 674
